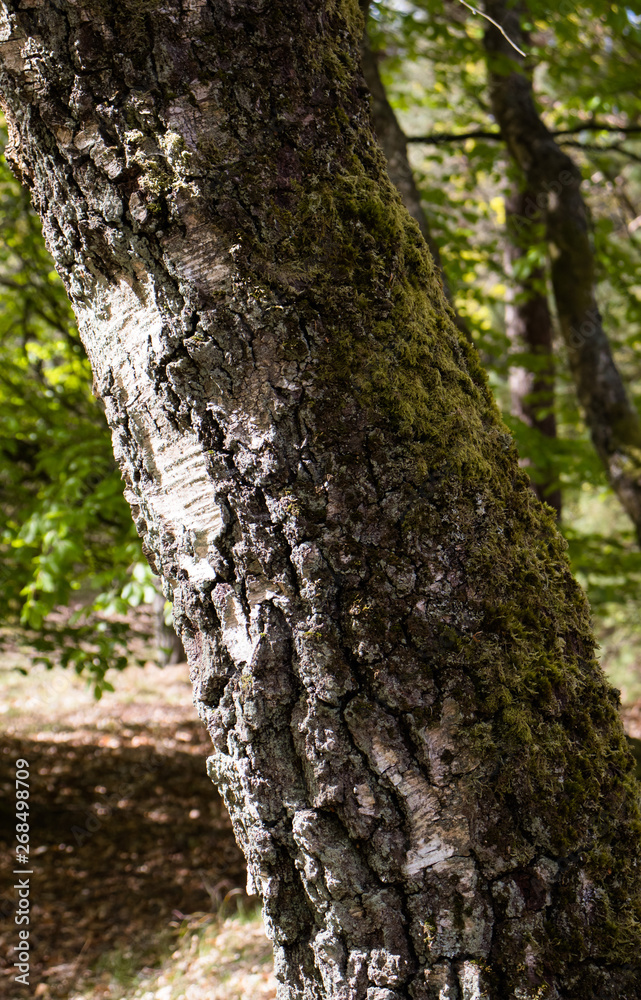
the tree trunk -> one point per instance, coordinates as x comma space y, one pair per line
528, 324
421, 758
554, 182
169, 647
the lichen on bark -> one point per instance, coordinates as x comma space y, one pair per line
420, 756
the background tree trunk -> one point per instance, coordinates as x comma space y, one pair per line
419, 753
528, 325
169, 647
554, 182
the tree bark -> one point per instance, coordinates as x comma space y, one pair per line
421, 758
528, 325
394, 144
554, 182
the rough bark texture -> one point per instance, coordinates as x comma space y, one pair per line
528, 324
554, 182
419, 753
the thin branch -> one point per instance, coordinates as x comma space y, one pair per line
496, 25
441, 137
592, 148
598, 127
437, 138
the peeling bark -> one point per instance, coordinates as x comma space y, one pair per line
528, 324
554, 182
421, 758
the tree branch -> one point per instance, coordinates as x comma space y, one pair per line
593, 148
495, 135
496, 25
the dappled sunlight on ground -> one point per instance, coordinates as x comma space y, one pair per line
129, 839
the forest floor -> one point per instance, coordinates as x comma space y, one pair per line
137, 888
137, 891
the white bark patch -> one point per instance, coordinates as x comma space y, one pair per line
198, 570
198, 258
233, 623
429, 844
122, 324
125, 324
259, 590
5, 26
470, 979
185, 494
366, 801
426, 855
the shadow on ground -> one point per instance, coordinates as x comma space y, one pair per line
128, 835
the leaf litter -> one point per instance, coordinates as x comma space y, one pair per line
138, 885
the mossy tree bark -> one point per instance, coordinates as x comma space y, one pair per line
419, 753
554, 183
394, 144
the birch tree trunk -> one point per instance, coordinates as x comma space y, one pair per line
422, 761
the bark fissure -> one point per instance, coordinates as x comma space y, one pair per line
385, 641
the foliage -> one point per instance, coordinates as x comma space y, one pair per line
66, 535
